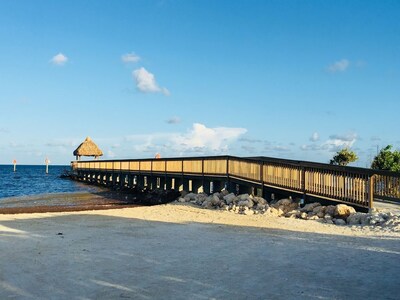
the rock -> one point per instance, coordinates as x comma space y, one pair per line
217, 195
330, 209
339, 222
310, 206
342, 211
355, 219
207, 204
377, 220
249, 212
262, 206
215, 199
200, 198
182, 200
364, 220
283, 202
244, 197
229, 198
303, 216
319, 210
260, 200
247, 203
314, 217
191, 196
156, 197
310, 214
286, 205
384, 216
224, 193
373, 210
294, 212
273, 211
328, 217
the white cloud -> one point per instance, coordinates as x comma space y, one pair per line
250, 140
130, 58
146, 82
59, 59
334, 143
174, 120
339, 66
344, 138
214, 139
197, 140
312, 147
276, 148
314, 137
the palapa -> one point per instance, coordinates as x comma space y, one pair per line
88, 148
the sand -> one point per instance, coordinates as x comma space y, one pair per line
181, 251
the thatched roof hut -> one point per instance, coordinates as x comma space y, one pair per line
87, 148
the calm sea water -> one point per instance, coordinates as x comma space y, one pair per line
33, 180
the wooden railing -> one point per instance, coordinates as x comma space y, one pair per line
352, 185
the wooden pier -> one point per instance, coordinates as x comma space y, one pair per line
255, 175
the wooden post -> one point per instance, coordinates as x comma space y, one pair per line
262, 179
47, 161
303, 183
371, 191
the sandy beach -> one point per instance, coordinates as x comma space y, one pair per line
179, 251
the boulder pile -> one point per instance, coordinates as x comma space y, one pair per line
340, 214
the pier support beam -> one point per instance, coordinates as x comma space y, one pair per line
169, 183
187, 184
178, 184
197, 186
162, 183
216, 186
141, 181
246, 189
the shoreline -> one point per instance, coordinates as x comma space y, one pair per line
187, 213
125, 205
67, 202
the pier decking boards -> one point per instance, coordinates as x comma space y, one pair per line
258, 175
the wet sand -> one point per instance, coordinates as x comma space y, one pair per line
65, 202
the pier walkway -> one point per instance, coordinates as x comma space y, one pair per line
255, 175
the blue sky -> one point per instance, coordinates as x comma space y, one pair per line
289, 79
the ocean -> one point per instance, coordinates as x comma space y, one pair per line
33, 180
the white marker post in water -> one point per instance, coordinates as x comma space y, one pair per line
15, 165
47, 161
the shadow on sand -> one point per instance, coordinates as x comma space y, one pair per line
88, 256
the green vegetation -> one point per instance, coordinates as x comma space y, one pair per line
387, 160
344, 157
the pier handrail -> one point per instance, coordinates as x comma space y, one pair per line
358, 186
